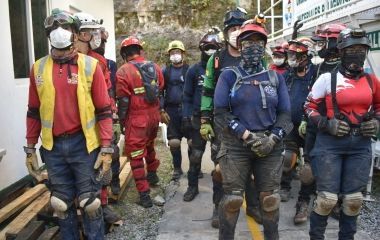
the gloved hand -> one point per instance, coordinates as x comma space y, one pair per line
264, 145
104, 161
296, 27
252, 140
370, 128
302, 129
206, 131
165, 117
116, 129
187, 127
31, 163
337, 127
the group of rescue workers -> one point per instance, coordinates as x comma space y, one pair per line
261, 121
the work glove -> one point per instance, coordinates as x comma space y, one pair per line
165, 117
263, 146
186, 127
103, 164
296, 27
206, 131
252, 140
31, 163
337, 127
116, 131
370, 128
302, 129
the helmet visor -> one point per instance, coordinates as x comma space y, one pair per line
237, 14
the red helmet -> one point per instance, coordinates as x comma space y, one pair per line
300, 45
281, 48
333, 30
131, 41
249, 28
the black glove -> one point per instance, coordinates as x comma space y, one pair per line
370, 128
186, 127
296, 27
264, 146
337, 127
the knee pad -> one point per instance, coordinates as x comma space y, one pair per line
352, 203
174, 144
306, 175
325, 202
90, 205
217, 174
196, 156
289, 159
60, 207
233, 202
270, 202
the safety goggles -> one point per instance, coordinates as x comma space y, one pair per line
59, 18
88, 34
249, 43
356, 50
211, 38
237, 14
321, 43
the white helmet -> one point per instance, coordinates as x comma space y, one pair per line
87, 20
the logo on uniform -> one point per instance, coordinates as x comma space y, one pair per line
271, 91
73, 79
39, 80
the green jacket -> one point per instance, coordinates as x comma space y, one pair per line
207, 99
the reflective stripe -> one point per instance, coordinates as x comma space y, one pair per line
137, 153
90, 124
87, 66
46, 124
139, 90
42, 66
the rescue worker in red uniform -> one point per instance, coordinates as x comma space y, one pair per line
341, 157
68, 105
138, 87
89, 40
280, 64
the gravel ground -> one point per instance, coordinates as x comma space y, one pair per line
369, 220
140, 223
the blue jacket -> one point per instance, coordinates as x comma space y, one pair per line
192, 91
298, 88
244, 110
174, 82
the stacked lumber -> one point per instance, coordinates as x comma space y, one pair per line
21, 215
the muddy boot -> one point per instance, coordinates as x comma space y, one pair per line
109, 215
145, 200
285, 195
301, 212
152, 178
177, 173
255, 213
215, 217
190, 193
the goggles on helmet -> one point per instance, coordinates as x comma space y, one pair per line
237, 14
61, 18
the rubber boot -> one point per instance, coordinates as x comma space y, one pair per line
347, 226
191, 193
318, 225
109, 215
145, 200
152, 178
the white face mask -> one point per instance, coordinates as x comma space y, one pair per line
60, 38
210, 52
278, 61
176, 58
95, 42
232, 38
293, 63
318, 48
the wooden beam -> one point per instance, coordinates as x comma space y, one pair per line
21, 202
123, 162
125, 177
31, 231
26, 216
49, 233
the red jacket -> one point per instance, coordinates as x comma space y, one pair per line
66, 111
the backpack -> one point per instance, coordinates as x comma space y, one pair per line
149, 76
245, 80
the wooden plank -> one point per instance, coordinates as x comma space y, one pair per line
26, 215
123, 162
31, 231
49, 233
21, 202
125, 177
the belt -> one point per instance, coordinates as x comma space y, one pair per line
68, 135
355, 132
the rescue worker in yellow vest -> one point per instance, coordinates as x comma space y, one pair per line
69, 106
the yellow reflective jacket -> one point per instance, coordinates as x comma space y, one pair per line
43, 69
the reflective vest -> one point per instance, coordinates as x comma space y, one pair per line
43, 69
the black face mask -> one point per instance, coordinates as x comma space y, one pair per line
204, 57
353, 62
251, 58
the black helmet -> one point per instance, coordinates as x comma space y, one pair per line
234, 18
212, 39
349, 37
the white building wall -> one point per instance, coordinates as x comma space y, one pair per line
14, 92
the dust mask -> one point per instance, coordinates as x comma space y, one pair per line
95, 42
176, 58
210, 52
278, 61
232, 38
60, 38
